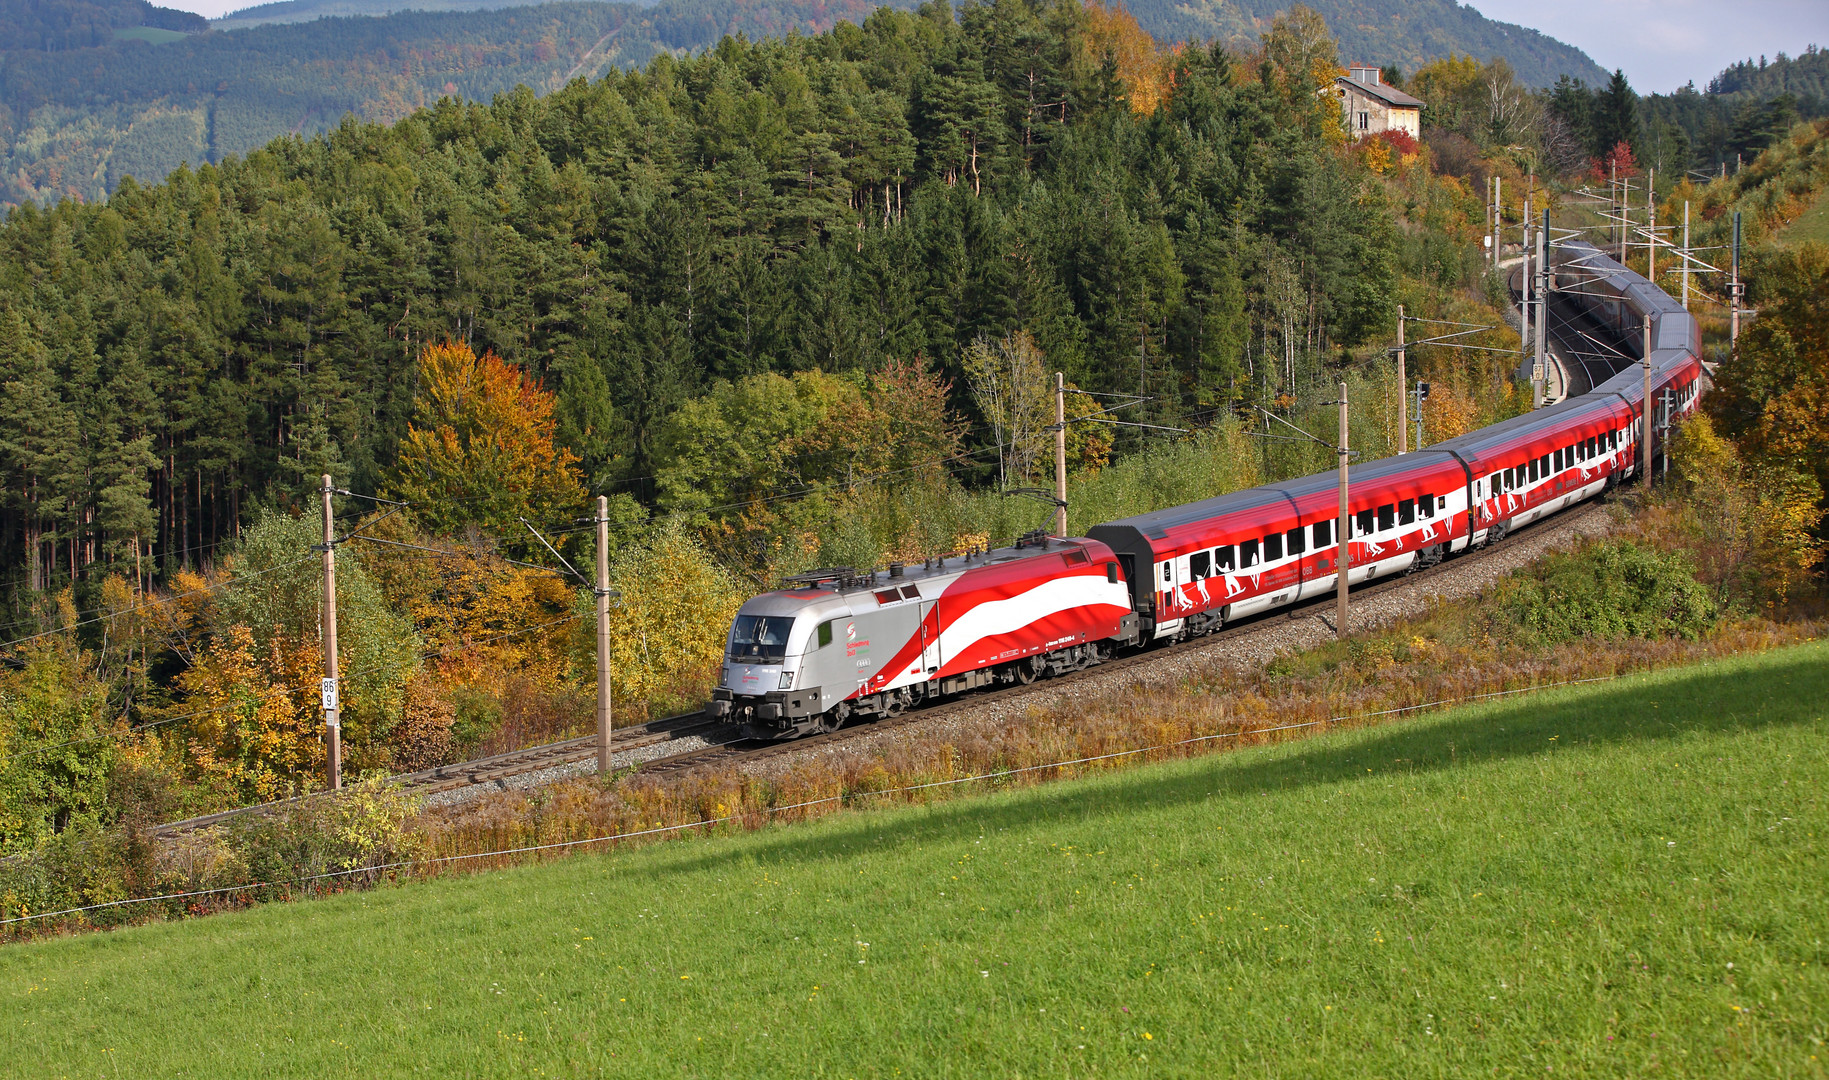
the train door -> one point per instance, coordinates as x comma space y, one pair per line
930, 639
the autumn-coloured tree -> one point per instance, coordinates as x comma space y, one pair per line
667, 629
1113, 35
481, 450
252, 736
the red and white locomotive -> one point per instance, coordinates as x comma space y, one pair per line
838, 644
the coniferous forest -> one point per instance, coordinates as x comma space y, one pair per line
191, 352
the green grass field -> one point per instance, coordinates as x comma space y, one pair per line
1626, 880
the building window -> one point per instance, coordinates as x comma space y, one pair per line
1365, 121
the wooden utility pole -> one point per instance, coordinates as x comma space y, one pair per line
1645, 438
333, 730
1345, 561
1060, 454
603, 634
1541, 370
1403, 387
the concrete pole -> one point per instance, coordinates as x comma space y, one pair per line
1613, 199
1651, 225
1733, 327
1645, 438
1685, 254
1498, 217
333, 725
1060, 454
1403, 392
1345, 561
1542, 369
603, 634
1524, 297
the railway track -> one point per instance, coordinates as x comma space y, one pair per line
750, 752
500, 767
484, 770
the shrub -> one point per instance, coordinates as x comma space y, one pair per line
1613, 590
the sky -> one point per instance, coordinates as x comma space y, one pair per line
1662, 44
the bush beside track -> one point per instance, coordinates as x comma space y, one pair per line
1619, 879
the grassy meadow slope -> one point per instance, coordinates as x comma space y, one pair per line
1623, 879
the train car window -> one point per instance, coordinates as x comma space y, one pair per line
1200, 565
1362, 523
1248, 550
1426, 504
825, 633
1111, 572
1225, 558
1443, 504
909, 592
1273, 547
1387, 517
1324, 534
888, 596
1406, 511
1293, 539
1556, 464
1545, 469
1532, 469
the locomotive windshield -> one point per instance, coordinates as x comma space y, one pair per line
760, 639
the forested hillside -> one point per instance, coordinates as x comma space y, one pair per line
73, 123
893, 191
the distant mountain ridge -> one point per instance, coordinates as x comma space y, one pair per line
1403, 33
73, 123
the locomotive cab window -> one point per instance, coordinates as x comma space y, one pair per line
760, 639
1200, 565
1324, 534
1293, 539
825, 633
1406, 511
1387, 517
1248, 553
1111, 572
1226, 558
1273, 547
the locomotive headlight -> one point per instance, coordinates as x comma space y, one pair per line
787, 680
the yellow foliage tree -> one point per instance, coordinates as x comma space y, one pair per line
667, 630
1145, 71
253, 733
481, 450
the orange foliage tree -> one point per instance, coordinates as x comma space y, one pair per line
1145, 71
482, 448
